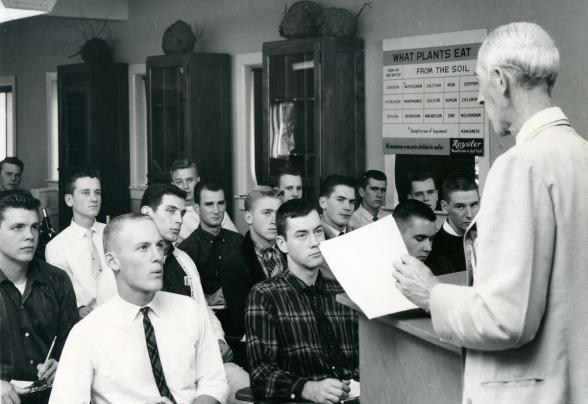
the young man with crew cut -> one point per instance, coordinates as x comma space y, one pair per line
290, 183
184, 175
78, 249
337, 201
373, 197
461, 201
143, 345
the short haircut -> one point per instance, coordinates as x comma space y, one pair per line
526, 50
71, 182
12, 160
328, 185
410, 208
18, 199
420, 177
210, 185
260, 192
457, 182
287, 171
115, 226
289, 210
373, 174
180, 164
155, 192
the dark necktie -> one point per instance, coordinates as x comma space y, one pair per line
327, 335
154, 356
375, 218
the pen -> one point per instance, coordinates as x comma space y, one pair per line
50, 350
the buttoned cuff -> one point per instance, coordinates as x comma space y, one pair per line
296, 390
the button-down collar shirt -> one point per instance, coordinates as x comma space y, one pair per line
106, 360
184, 277
362, 217
30, 321
192, 221
272, 260
69, 250
283, 343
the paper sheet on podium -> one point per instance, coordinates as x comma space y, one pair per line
362, 263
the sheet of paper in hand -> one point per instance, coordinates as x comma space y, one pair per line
362, 263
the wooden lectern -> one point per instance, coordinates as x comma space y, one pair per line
402, 360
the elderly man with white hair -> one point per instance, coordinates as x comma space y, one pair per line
524, 317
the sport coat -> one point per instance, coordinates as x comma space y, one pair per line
524, 321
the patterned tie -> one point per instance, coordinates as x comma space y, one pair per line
327, 335
94, 254
271, 262
154, 356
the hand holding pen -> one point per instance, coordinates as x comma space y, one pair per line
47, 369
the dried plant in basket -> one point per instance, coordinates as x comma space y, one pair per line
335, 21
94, 49
300, 20
179, 38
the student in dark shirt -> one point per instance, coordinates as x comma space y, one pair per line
37, 301
258, 258
301, 343
461, 201
210, 243
416, 222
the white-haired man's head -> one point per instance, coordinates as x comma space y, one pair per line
524, 48
516, 62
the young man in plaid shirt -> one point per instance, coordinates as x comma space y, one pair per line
301, 343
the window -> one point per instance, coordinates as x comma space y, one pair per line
7, 116
52, 129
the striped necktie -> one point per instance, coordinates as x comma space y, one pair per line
154, 356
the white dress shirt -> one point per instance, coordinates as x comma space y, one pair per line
362, 217
69, 251
107, 289
192, 221
105, 357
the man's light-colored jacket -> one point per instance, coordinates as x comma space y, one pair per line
525, 320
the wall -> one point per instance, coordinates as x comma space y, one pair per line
30, 48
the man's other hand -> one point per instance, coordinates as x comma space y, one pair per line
414, 279
8, 394
325, 391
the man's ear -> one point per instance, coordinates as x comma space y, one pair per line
361, 192
146, 210
281, 243
502, 80
444, 205
248, 217
197, 208
323, 202
68, 199
112, 261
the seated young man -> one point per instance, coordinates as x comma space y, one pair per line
210, 243
301, 343
416, 222
373, 196
37, 302
143, 345
423, 188
258, 258
461, 201
184, 175
78, 248
166, 204
290, 182
337, 201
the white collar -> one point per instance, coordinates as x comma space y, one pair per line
447, 227
548, 116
